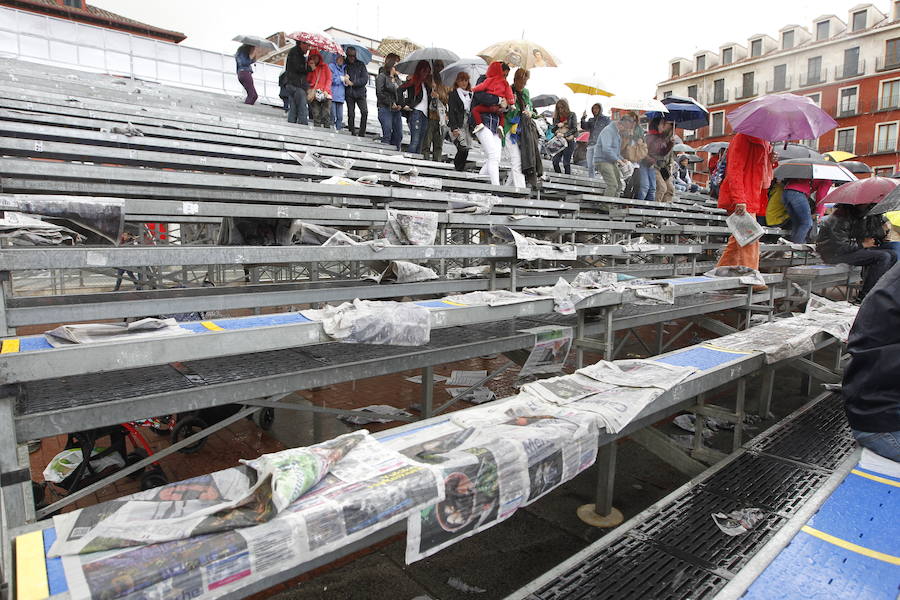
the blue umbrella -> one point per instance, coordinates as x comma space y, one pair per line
363, 54
686, 116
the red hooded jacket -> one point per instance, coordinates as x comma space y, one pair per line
320, 77
495, 83
748, 175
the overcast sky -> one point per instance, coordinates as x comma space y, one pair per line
627, 43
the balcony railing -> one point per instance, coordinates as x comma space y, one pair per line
858, 148
814, 78
846, 111
779, 86
746, 91
848, 70
885, 103
888, 146
719, 98
887, 63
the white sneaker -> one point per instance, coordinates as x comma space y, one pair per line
478, 128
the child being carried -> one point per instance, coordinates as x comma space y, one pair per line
494, 84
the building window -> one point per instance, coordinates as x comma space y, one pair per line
727, 56
701, 62
816, 98
883, 171
823, 28
814, 70
859, 21
74, 3
896, 10
890, 94
813, 144
692, 91
847, 100
892, 53
756, 48
719, 91
717, 126
667, 94
676, 69
779, 79
748, 85
787, 40
845, 140
851, 62
886, 137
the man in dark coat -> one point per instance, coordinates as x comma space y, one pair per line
355, 93
295, 84
870, 390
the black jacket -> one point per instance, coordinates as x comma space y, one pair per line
295, 69
387, 90
359, 79
411, 98
844, 231
870, 390
595, 125
456, 111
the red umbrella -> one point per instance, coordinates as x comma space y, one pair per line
318, 41
862, 191
583, 137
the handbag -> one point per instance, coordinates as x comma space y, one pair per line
556, 145
636, 151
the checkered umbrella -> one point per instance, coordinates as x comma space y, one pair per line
318, 41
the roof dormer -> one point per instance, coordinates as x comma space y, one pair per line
761, 44
731, 52
792, 36
826, 27
705, 60
864, 16
679, 67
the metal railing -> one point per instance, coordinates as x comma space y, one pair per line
848, 70
719, 98
814, 78
887, 63
746, 91
779, 86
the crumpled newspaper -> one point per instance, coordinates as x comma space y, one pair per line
473, 203
797, 247
411, 227
638, 245
375, 410
402, 271
314, 159
375, 322
532, 249
95, 333
738, 522
370, 180
129, 130
748, 275
412, 178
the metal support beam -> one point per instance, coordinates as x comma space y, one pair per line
660, 445
427, 392
13, 477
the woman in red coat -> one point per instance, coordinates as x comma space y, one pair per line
745, 190
319, 93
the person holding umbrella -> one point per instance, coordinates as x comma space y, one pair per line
338, 72
796, 198
417, 91
319, 94
513, 125
751, 163
594, 125
244, 58
356, 79
433, 146
295, 84
387, 93
459, 104
660, 141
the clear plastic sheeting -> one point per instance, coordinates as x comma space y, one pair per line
245, 497
797, 247
478, 272
98, 333
410, 227
744, 228
638, 245
65, 463
24, 230
493, 298
748, 276
403, 271
310, 234
103, 216
835, 318
532, 249
411, 177
375, 322
369, 489
374, 413
369, 180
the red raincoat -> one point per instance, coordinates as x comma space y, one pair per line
748, 174
320, 77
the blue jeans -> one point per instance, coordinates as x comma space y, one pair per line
417, 123
894, 247
886, 444
391, 126
299, 110
647, 178
797, 206
337, 114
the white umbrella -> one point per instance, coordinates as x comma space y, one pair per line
473, 66
639, 104
255, 40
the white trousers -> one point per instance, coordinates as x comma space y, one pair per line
491, 146
515, 177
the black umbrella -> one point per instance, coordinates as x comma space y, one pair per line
796, 151
889, 203
713, 147
810, 168
854, 166
544, 100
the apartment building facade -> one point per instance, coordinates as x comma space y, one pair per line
851, 68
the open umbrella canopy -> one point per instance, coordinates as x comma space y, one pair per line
402, 47
363, 54
519, 53
638, 104
544, 100
317, 41
255, 40
691, 158
713, 147
854, 166
808, 168
588, 84
683, 148
475, 67
431, 55
788, 151
781, 117
874, 190
683, 114
838, 155
889, 203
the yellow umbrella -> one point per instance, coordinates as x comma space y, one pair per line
590, 85
838, 156
893, 217
519, 53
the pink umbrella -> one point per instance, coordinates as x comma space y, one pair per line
781, 117
862, 191
318, 41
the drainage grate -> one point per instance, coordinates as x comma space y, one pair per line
631, 568
686, 527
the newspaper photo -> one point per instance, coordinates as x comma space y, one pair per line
98, 333
550, 350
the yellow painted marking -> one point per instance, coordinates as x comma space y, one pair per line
452, 303
888, 558
211, 326
730, 351
9, 346
31, 568
876, 478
